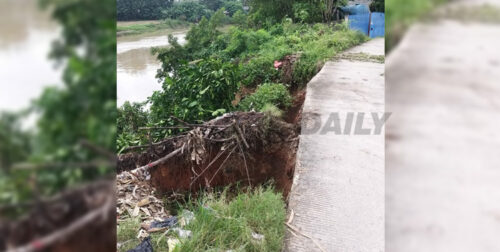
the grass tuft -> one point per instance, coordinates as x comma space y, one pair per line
222, 223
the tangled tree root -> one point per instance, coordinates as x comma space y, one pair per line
80, 219
244, 147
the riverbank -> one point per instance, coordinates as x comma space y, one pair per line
125, 28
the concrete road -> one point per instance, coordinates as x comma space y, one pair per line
443, 141
337, 198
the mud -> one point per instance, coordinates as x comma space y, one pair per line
294, 113
270, 155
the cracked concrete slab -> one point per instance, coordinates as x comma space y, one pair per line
338, 193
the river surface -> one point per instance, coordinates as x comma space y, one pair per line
137, 67
26, 35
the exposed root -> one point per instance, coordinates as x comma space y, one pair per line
245, 147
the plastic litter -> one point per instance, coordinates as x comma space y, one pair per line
257, 237
183, 234
186, 217
144, 246
172, 243
168, 222
277, 64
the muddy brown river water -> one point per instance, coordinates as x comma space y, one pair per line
26, 35
137, 67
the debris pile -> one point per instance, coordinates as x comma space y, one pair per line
137, 198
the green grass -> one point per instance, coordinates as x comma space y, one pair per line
314, 45
143, 27
221, 224
224, 223
363, 57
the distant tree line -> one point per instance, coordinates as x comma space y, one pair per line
141, 9
189, 10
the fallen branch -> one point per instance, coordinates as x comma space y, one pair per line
157, 162
44, 242
154, 144
242, 136
166, 127
307, 236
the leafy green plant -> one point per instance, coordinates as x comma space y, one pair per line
197, 92
272, 110
232, 7
268, 93
222, 223
140, 9
190, 11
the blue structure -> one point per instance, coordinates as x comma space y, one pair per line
377, 25
361, 19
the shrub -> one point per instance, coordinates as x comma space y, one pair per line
307, 12
240, 19
377, 6
245, 42
130, 117
187, 10
198, 92
268, 93
272, 110
232, 7
259, 70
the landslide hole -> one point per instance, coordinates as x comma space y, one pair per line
270, 156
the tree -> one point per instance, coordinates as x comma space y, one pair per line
131, 116
377, 6
213, 4
141, 9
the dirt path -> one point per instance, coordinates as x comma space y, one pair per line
338, 193
442, 149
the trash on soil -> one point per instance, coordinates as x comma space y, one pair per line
186, 217
156, 226
183, 234
142, 234
257, 237
172, 243
277, 64
144, 246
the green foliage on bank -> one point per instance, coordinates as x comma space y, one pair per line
166, 26
197, 92
202, 79
267, 94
